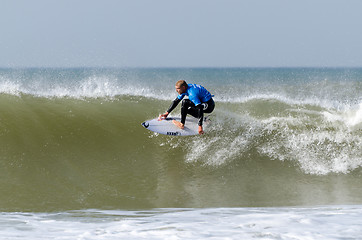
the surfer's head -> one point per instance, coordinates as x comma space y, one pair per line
181, 86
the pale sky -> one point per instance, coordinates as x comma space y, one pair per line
187, 33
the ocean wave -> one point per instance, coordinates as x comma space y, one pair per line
319, 133
316, 139
75, 154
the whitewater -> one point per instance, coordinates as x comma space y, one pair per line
283, 149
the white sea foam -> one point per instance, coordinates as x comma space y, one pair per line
90, 87
9, 87
308, 139
350, 117
334, 222
227, 140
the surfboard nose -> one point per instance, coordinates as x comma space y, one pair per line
145, 124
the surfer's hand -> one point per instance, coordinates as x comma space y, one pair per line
201, 131
162, 116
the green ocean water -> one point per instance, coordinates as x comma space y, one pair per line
72, 139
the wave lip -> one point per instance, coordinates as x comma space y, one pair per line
9, 87
92, 87
228, 85
350, 117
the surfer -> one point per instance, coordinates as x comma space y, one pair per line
200, 101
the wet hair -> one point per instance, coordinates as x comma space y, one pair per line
180, 83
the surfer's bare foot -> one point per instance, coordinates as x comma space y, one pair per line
178, 124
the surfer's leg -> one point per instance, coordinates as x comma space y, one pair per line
209, 107
187, 107
199, 110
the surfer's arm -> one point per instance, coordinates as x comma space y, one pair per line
163, 116
172, 107
201, 131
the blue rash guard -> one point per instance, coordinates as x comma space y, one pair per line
196, 93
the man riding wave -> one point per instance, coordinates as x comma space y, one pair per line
199, 102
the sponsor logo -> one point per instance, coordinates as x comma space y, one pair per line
145, 124
173, 133
205, 105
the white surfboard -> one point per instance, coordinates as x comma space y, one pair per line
167, 127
